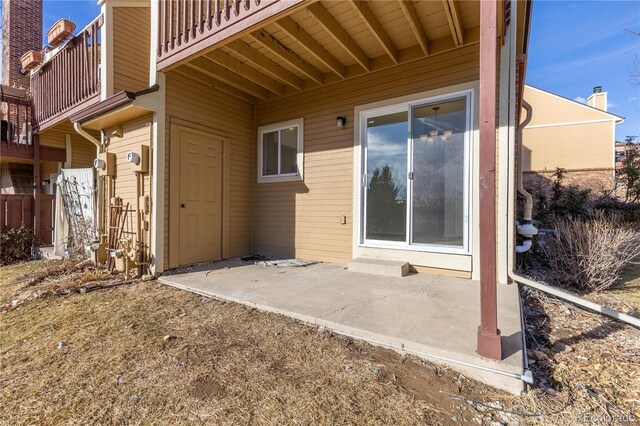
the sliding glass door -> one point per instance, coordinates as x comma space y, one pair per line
386, 177
416, 172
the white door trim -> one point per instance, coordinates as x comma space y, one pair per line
422, 256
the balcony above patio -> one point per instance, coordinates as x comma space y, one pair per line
68, 79
15, 112
181, 33
262, 50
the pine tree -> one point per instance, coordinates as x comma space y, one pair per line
628, 176
385, 212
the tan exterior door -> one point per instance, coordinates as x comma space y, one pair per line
200, 198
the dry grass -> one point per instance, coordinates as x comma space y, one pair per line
223, 363
629, 286
14, 278
39, 279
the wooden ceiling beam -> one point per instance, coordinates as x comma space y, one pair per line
376, 29
268, 41
414, 22
208, 81
292, 28
244, 70
214, 70
267, 65
328, 22
452, 10
437, 47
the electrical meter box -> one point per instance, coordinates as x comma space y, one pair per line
139, 160
105, 164
144, 204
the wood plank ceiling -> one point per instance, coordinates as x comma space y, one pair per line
325, 42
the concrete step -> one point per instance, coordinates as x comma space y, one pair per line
46, 252
390, 268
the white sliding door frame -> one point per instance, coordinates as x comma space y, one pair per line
409, 106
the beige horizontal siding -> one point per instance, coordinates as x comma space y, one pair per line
549, 108
53, 139
48, 167
134, 134
131, 48
83, 152
579, 146
302, 219
573, 137
188, 102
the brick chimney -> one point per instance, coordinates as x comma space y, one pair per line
21, 31
598, 99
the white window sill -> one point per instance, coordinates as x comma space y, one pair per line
280, 178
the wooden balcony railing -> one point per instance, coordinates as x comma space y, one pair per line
70, 79
16, 133
186, 27
18, 145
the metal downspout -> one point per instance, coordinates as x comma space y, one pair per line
98, 213
78, 128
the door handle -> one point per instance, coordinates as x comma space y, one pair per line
183, 205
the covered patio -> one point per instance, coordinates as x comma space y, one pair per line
432, 316
319, 75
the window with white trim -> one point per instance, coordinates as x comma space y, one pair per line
280, 156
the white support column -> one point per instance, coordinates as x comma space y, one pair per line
154, 43
506, 133
68, 152
158, 160
158, 198
106, 50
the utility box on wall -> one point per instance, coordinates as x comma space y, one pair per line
139, 159
105, 164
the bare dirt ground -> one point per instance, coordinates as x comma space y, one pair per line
76, 349
585, 358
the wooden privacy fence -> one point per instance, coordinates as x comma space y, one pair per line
16, 211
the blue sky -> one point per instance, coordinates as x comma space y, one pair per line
576, 45
80, 12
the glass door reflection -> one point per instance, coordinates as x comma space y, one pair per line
386, 174
438, 160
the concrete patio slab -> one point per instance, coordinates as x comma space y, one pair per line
432, 316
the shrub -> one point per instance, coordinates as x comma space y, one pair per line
559, 200
627, 212
589, 253
16, 244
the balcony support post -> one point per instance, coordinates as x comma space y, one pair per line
37, 187
489, 339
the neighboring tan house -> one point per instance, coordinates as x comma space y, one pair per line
323, 130
577, 137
